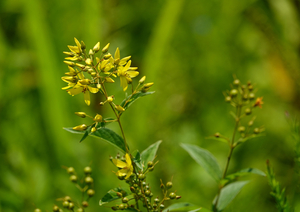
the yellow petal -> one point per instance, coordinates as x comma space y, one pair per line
93, 90
75, 91
117, 54
74, 49
124, 60
129, 172
132, 68
124, 84
127, 65
80, 75
128, 159
78, 44
87, 97
119, 163
132, 73
121, 172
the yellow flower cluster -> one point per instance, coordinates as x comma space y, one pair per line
88, 73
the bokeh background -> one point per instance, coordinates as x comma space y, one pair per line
190, 49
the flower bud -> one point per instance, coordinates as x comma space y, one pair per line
88, 61
91, 52
66, 204
84, 81
80, 127
178, 197
156, 200
141, 176
248, 111
80, 210
98, 118
142, 80
67, 198
121, 207
110, 98
55, 208
87, 170
162, 206
117, 61
172, 195
256, 130
169, 185
119, 108
85, 204
241, 129
88, 180
233, 92
217, 135
90, 192
236, 82
80, 65
69, 79
69, 63
150, 164
105, 49
37, 210
125, 200
71, 205
96, 47
147, 193
71, 170
227, 98
73, 178
251, 96
107, 56
83, 46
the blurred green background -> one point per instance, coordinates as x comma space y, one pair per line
190, 49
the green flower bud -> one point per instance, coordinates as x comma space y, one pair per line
142, 80
67, 198
85, 204
178, 197
236, 82
71, 170
80, 210
156, 200
250, 87
227, 99
251, 96
150, 164
147, 193
169, 185
107, 56
66, 204
90, 192
256, 130
55, 208
87, 170
98, 118
141, 176
83, 46
250, 123
217, 135
241, 129
162, 206
233, 92
121, 207
93, 129
69, 63
71, 205
37, 210
125, 200
88, 180
172, 195
248, 111
73, 178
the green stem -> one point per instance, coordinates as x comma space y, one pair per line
232, 146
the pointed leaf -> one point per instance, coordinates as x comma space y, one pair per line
111, 195
137, 160
205, 159
185, 206
244, 172
228, 193
132, 98
150, 153
105, 134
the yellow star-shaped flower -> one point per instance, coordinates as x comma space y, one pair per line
126, 167
126, 73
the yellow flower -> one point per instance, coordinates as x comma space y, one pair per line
126, 73
82, 86
126, 167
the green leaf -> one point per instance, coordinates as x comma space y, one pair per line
137, 160
205, 159
244, 172
185, 206
222, 139
132, 98
228, 193
111, 195
105, 134
103, 124
149, 153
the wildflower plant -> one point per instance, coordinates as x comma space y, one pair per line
243, 100
89, 72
